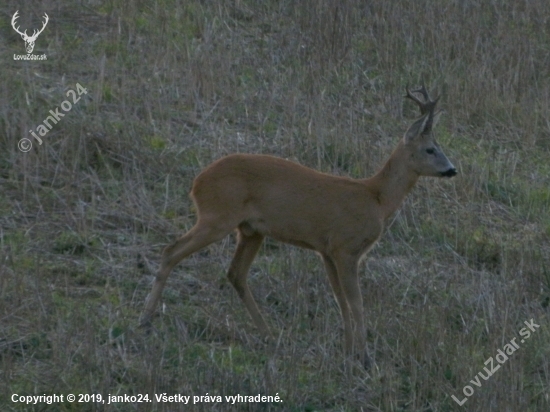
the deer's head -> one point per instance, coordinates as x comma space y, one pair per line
29, 40
424, 155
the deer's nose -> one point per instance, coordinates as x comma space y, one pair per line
449, 173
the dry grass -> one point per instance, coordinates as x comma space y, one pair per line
172, 86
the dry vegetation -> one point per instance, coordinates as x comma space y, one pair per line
174, 85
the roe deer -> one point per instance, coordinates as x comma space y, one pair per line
339, 217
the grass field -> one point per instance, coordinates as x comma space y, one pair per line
173, 85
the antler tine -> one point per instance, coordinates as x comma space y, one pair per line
415, 99
422, 90
47, 19
427, 105
13, 22
37, 32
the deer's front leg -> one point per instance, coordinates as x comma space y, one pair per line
349, 282
334, 280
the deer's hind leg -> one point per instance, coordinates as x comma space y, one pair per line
248, 244
201, 235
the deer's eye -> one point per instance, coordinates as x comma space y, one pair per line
430, 151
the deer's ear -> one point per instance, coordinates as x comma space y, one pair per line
417, 128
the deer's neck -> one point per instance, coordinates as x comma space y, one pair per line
392, 183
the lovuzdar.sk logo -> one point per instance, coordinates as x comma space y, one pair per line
29, 40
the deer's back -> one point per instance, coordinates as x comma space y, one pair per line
283, 199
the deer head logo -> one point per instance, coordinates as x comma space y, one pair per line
29, 40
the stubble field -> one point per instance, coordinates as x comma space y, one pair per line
173, 85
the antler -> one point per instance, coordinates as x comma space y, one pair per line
428, 105
37, 32
14, 18
24, 34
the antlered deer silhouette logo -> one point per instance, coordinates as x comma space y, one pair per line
29, 40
